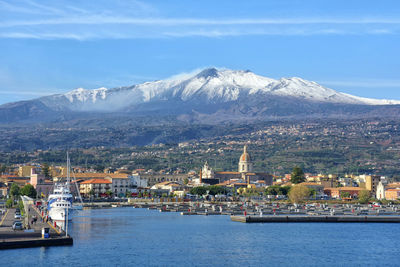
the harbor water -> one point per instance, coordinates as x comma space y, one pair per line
127, 236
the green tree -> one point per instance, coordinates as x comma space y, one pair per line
186, 181
363, 196
299, 193
215, 190
313, 192
99, 168
46, 170
344, 194
28, 190
277, 190
109, 193
21, 207
14, 190
9, 203
297, 175
199, 191
91, 192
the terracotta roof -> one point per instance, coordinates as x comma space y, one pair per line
97, 181
353, 188
392, 185
96, 175
393, 189
228, 172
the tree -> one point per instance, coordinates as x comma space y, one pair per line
216, 190
277, 190
297, 175
46, 170
28, 190
186, 181
109, 193
344, 194
91, 192
9, 203
99, 168
299, 193
14, 190
199, 191
363, 196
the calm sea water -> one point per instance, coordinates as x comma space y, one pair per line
127, 236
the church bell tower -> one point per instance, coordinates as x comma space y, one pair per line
245, 164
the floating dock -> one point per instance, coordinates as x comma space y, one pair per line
315, 218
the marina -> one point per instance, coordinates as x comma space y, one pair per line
127, 236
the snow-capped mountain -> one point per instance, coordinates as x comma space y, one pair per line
211, 91
209, 85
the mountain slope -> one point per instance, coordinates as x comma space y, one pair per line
224, 93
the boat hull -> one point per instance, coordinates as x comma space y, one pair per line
59, 214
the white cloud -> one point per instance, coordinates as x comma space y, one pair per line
137, 19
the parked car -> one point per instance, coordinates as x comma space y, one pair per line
17, 216
17, 226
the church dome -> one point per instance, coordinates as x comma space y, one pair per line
245, 156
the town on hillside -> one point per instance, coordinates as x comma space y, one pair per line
238, 184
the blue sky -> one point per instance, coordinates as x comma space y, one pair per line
55, 46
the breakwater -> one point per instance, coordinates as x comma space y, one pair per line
265, 209
316, 218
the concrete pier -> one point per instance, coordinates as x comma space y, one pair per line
316, 218
32, 235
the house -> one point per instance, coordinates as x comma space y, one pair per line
392, 193
337, 192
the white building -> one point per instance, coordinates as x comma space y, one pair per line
137, 181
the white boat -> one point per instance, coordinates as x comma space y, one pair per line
59, 204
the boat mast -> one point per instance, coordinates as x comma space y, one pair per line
68, 166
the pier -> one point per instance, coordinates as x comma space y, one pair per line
31, 236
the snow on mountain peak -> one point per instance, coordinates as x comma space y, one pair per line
214, 85
84, 95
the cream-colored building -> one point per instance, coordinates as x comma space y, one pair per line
99, 187
25, 171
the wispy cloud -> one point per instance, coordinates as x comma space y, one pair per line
137, 19
28, 93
